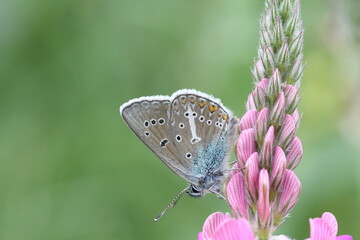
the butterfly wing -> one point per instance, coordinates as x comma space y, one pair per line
148, 118
204, 130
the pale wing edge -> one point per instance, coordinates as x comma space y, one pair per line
201, 94
141, 99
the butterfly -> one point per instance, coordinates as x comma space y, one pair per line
191, 132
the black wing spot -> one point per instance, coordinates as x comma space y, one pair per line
146, 123
188, 155
178, 138
164, 142
147, 134
201, 118
153, 121
181, 125
194, 114
161, 121
186, 114
209, 122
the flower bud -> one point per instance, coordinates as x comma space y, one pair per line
274, 86
248, 120
263, 205
267, 148
279, 33
285, 8
287, 131
261, 125
267, 58
292, 98
236, 195
296, 45
250, 105
296, 71
258, 71
277, 112
252, 175
259, 97
296, 118
246, 145
278, 168
291, 25
294, 153
283, 57
265, 38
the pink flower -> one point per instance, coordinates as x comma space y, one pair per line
325, 228
219, 226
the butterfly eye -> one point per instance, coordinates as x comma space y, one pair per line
194, 189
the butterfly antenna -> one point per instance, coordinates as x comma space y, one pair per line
172, 204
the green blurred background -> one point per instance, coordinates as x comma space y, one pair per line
71, 169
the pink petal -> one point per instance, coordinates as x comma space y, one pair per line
275, 84
262, 124
248, 120
212, 223
344, 237
235, 169
236, 195
267, 148
246, 145
234, 230
320, 230
294, 153
252, 175
200, 236
278, 169
331, 221
264, 83
296, 118
263, 205
291, 188
260, 69
259, 95
250, 105
292, 98
278, 110
287, 131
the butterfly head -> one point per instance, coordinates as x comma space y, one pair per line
211, 183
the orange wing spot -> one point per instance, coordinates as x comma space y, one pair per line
183, 101
192, 100
224, 117
202, 104
213, 108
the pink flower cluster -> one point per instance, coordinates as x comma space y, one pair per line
219, 226
267, 150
